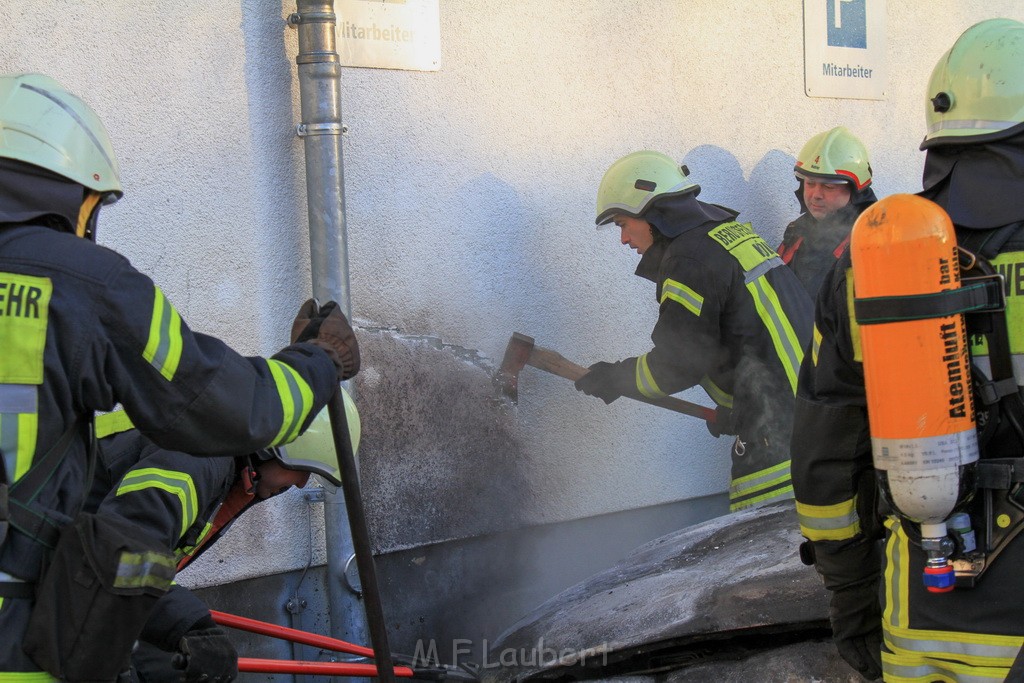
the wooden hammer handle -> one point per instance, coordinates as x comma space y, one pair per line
557, 364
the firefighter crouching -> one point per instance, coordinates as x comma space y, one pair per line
82, 330
188, 503
929, 590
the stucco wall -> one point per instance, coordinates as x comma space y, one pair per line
470, 190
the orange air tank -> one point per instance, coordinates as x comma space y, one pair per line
916, 371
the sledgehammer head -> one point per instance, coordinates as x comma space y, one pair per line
517, 353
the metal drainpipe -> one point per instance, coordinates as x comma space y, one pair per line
320, 94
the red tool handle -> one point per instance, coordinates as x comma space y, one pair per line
292, 634
281, 666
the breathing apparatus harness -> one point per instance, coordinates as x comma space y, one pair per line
997, 509
990, 510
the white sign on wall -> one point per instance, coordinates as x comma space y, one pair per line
844, 49
389, 34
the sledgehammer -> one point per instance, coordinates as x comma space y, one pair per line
522, 351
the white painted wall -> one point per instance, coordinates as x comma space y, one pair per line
470, 191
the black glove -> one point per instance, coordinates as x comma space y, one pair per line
604, 380
207, 655
857, 628
327, 327
722, 424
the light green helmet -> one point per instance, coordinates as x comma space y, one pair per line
835, 155
314, 450
634, 181
43, 124
976, 91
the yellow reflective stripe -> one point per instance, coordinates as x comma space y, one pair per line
178, 484
25, 676
181, 553
163, 349
147, 569
112, 423
858, 354
24, 315
974, 649
815, 345
835, 522
681, 294
787, 344
645, 380
896, 576
19, 433
716, 393
771, 483
928, 647
903, 669
784, 493
296, 400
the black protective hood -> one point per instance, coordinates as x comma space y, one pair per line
861, 199
29, 194
981, 186
672, 216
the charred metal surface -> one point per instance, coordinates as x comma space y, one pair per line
732, 584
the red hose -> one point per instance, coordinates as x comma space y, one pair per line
278, 666
292, 634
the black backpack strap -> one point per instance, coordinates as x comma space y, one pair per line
1001, 387
22, 493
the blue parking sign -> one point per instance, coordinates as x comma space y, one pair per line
847, 23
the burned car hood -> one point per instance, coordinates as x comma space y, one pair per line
733, 583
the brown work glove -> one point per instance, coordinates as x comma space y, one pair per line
327, 327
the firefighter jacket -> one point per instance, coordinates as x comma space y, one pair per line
174, 497
735, 321
82, 330
811, 247
969, 634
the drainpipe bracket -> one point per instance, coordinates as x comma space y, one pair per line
313, 495
333, 128
295, 18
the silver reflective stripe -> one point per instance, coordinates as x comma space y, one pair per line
780, 323
145, 569
829, 523
971, 124
715, 392
7, 578
935, 671
894, 598
762, 268
953, 648
18, 398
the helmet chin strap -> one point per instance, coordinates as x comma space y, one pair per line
85, 215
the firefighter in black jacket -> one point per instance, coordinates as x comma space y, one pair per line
834, 177
974, 169
82, 330
732, 318
188, 503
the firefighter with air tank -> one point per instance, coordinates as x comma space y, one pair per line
926, 578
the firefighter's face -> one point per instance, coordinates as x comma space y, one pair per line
635, 233
274, 479
824, 199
